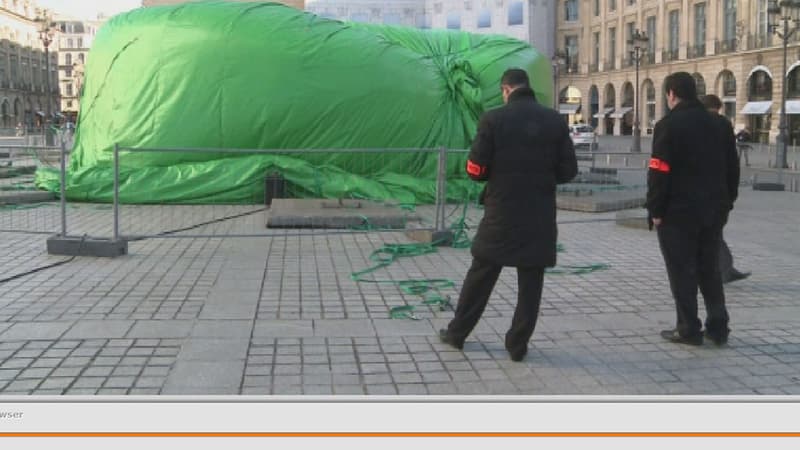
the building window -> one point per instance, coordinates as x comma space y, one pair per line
631, 2
729, 25
612, 47
423, 22
674, 30
453, 21
467, 5
571, 45
700, 25
80, 42
515, 15
437, 7
596, 8
612, 5
596, 48
485, 19
571, 10
69, 43
388, 19
82, 58
629, 28
68, 59
69, 89
651, 38
68, 72
359, 17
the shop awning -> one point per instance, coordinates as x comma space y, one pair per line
604, 112
39, 113
792, 106
756, 108
568, 108
620, 113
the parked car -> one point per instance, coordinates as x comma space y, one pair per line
583, 137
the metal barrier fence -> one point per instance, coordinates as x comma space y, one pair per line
153, 220
23, 207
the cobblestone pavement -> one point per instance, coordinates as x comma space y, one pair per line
281, 315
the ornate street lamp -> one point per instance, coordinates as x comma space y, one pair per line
47, 31
638, 44
784, 21
559, 59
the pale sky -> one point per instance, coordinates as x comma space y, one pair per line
88, 9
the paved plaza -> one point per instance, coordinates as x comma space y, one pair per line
281, 315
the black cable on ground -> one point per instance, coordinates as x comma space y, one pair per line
49, 266
202, 224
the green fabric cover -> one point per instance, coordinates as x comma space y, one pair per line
263, 75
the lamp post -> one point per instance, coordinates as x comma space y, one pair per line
46, 35
781, 14
638, 41
558, 60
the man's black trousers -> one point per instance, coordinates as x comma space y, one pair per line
478, 286
691, 253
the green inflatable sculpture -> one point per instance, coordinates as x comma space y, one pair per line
221, 75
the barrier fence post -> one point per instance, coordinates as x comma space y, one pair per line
116, 192
63, 189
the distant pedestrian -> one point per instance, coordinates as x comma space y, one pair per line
729, 274
693, 181
522, 150
743, 139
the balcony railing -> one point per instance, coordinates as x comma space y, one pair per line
726, 46
697, 51
572, 67
755, 41
610, 65
670, 55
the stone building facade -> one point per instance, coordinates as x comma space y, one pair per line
299, 4
23, 68
74, 40
726, 44
531, 21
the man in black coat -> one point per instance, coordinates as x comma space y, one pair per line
729, 273
522, 150
692, 183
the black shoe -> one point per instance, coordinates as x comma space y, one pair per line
719, 341
518, 355
674, 336
735, 275
444, 337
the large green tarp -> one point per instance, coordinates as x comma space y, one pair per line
265, 76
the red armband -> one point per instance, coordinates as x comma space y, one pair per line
476, 170
659, 165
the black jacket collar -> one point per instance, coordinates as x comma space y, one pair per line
688, 104
522, 93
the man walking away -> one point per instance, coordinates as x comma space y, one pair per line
713, 104
522, 150
692, 183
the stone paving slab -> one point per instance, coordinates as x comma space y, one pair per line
99, 329
161, 329
35, 330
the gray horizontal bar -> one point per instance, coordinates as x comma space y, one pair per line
273, 151
245, 235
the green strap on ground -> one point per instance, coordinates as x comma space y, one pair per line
430, 289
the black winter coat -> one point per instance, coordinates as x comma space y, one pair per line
523, 150
694, 169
